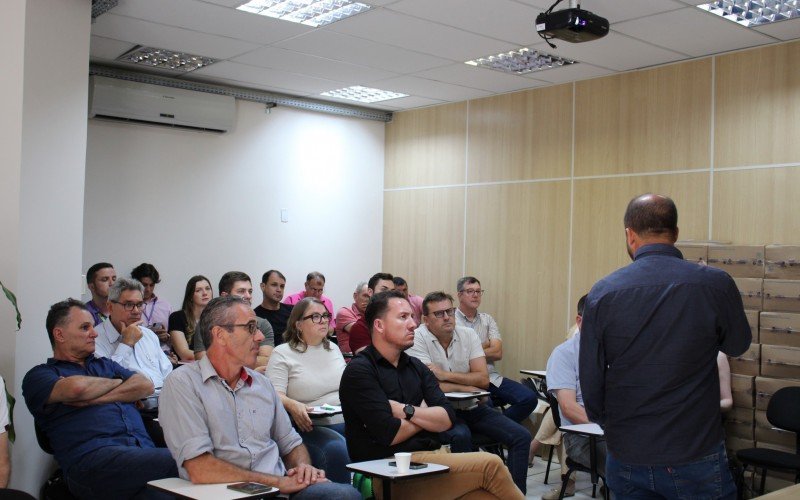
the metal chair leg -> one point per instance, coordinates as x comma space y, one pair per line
549, 463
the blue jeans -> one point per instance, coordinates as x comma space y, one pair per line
708, 477
326, 491
490, 423
328, 451
520, 399
120, 472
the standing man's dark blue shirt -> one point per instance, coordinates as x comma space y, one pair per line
649, 341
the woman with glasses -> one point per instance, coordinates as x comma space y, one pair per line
182, 323
306, 371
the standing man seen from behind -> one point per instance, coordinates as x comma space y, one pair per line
392, 403
454, 355
520, 399
649, 341
238, 284
314, 286
273, 284
99, 279
83, 405
225, 423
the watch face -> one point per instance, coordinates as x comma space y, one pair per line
409, 411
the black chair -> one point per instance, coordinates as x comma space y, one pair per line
783, 412
530, 384
572, 465
55, 488
15, 495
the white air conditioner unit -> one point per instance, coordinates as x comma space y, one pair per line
115, 99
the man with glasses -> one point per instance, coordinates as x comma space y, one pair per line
455, 356
520, 399
123, 338
360, 337
225, 423
314, 286
238, 284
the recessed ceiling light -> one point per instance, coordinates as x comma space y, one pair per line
754, 13
164, 58
521, 61
309, 12
363, 94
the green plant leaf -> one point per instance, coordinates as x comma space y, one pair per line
13, 299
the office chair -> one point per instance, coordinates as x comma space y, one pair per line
783, 412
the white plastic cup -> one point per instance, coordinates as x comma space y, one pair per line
403, 461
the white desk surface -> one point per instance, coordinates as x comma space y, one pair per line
535, 373
185, 489
456, 396
588, 429
791, 492
382, 469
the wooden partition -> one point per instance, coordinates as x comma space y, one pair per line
529, 196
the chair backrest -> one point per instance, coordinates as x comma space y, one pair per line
530, 384
554, 408
783, 410
41, 438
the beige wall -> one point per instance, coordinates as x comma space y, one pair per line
527, 190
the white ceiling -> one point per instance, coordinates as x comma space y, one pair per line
417, 47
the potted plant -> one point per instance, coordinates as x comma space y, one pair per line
13, 299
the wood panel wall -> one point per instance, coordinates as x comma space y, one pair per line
528, 196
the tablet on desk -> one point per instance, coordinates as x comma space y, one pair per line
466, 394
250, 488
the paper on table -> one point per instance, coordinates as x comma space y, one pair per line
325, 410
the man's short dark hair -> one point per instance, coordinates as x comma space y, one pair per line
652, 214
266, 275
145, 270
435, 297
314, 275
90, 274
398, 281
217, 312
57, 315
378, 305
229, 278
377, 277
466, 280
581, 305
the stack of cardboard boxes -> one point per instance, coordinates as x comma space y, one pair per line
768, 278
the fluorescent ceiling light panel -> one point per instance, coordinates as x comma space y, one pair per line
754, 12
363, 94
164, 58
521, 61
309, 12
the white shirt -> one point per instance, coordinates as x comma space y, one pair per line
3, 408
486, 328
464, 346
145, 357
311, 377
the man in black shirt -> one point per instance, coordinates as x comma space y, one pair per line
392, 403
272, 309
649, 341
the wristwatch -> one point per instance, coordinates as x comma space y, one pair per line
409, 411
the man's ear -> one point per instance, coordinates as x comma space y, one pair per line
58, 335
218, 334
378, 325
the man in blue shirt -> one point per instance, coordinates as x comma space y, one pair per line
84, 406
649, 341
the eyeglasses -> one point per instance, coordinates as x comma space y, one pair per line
251, 326
470, 291
130, 306
318, 318
441, 314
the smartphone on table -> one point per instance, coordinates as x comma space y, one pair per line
250, 488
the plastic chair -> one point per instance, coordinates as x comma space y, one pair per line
783, 412
55, 487
572, 465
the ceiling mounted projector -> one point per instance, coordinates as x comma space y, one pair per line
573, 25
